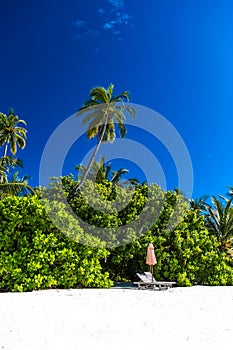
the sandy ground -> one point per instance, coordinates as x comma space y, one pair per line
180, 318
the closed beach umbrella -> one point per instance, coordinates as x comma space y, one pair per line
150, 258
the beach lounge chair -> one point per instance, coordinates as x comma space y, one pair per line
148, 281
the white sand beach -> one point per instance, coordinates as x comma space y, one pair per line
186, 318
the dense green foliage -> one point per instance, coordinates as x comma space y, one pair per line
185, 250
35, 255
66, 237
188, 254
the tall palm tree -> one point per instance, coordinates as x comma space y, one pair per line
104, 110
219, 221
13, 135
11, 132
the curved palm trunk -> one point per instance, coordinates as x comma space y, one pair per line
2, 176
5, 150
2, 162
92, 158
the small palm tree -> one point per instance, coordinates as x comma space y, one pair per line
117, 176
6, 163
11, 132
199, 204
103, 111
98, 172
101, 171
219, 221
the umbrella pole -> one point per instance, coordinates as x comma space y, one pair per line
151, 273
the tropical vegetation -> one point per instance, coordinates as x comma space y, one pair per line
12, 135
193, 238
102, 170
219, 221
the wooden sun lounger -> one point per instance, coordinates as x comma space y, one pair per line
148, 281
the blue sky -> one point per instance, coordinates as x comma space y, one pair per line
175, 57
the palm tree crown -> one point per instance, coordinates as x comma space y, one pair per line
103, 109
219, 221
199, 204
11, 132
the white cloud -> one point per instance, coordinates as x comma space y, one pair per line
112, 19
117, 3
116, 24
91, 33
108, 26
86, 35
101, 11
79, 23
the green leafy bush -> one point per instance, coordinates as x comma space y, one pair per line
35, 255
187, 254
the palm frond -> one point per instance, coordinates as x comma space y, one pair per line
11, 162
121, 97
100, 94
96, 115
20, 140
92, 132
118, 174
219, 220
11, 188
88, 105
13, 146
12, 132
